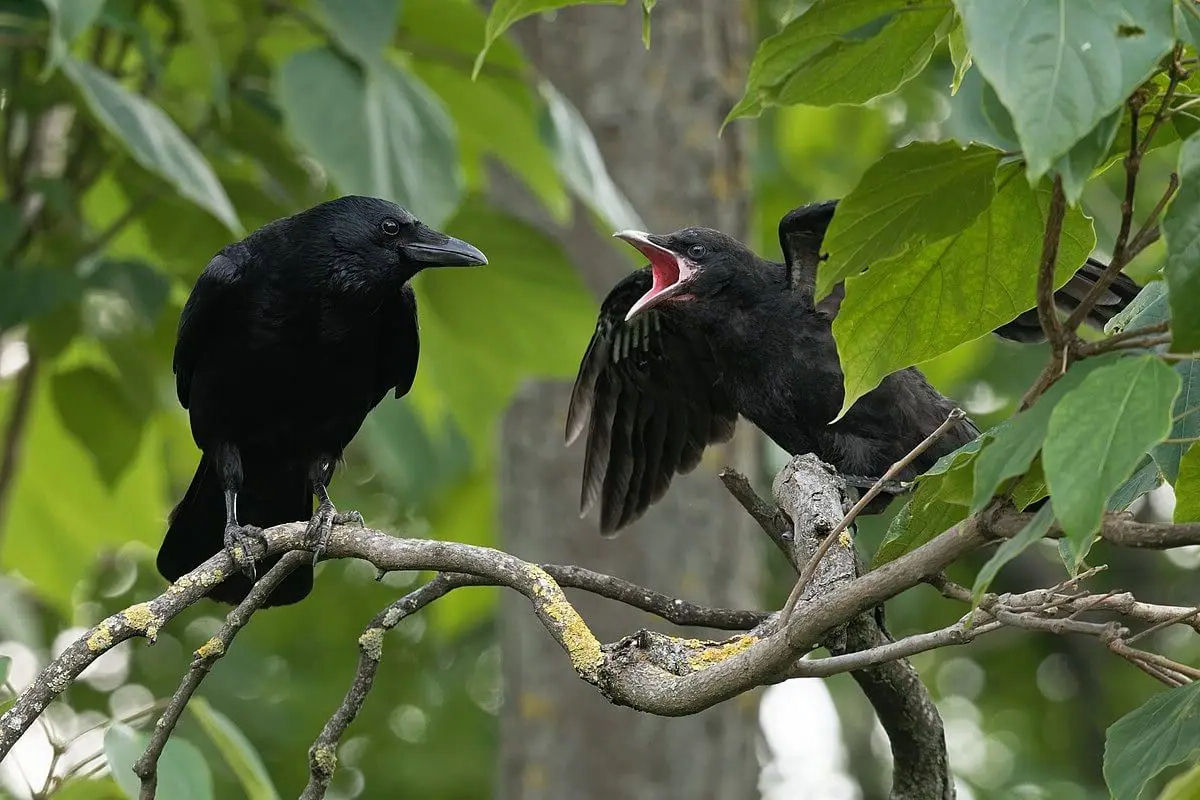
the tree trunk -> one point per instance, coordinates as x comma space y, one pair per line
655, 116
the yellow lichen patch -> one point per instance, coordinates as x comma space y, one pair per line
845, 539
325, 759
714, 654
371, 643
210, 649
581, 644
142, 618
101, 638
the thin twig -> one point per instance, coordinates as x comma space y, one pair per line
1158, 626
322, 756
146, 767
810, 568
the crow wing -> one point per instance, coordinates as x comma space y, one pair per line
649, 395
207, 306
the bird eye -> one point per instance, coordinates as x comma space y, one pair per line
696, 251
389, 226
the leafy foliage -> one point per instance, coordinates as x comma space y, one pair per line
1165, 731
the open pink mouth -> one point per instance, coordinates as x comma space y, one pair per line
670, 271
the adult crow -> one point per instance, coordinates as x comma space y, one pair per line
288, 339
710, 331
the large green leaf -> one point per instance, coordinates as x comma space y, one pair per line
1097, 435
917, 194
505, 12
1185, 786
1010, 447
580, 163
243, 760
922, 518
1165, 730
911, 309
182, 771
1181, 229
1148, 308
1061, 67
394, 139
855, 72
1187, 487
152, 139
69, 19
817, 46
361, 28
1078, 163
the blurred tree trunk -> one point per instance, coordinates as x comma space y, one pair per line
655, 116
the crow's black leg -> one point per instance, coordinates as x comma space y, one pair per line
237, 536
864, 482
322, 522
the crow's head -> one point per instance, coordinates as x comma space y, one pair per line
689, 264
375, 236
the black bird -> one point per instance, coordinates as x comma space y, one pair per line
710, 331
288, 339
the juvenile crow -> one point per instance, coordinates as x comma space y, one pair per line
710, 331
288, 339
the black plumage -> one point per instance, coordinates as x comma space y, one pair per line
288, 339
710, 331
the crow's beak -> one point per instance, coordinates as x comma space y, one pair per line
670, 270
433, 249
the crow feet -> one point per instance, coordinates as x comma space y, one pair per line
239, 541
316, 537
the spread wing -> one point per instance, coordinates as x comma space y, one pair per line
802, 231
650, 397
207, 306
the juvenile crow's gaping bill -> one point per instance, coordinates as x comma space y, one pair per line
288, 339
710, 331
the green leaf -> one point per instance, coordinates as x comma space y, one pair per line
195, 17
817, 39
26, 294
921, 519
141, 286
396, 141
580, 163
1184, 425
362, 28
505, 12
152, 139
182, 772
243, 760
68, 20
1062, 67
5, 665
1187, 21
952, 290
1181, 229
1187, 487
1077, 165
95, 408
1148, 308
1164, 731
89, 789
960, 54
1010, 448
1097, 435
1033, 531
856, 72
917, 194
1146, 477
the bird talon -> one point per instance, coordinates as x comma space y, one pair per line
238, 544
316, 536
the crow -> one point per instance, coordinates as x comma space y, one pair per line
288, 339
710, 331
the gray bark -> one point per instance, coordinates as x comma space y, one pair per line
655, 116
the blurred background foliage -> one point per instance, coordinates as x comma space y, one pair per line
176, 126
